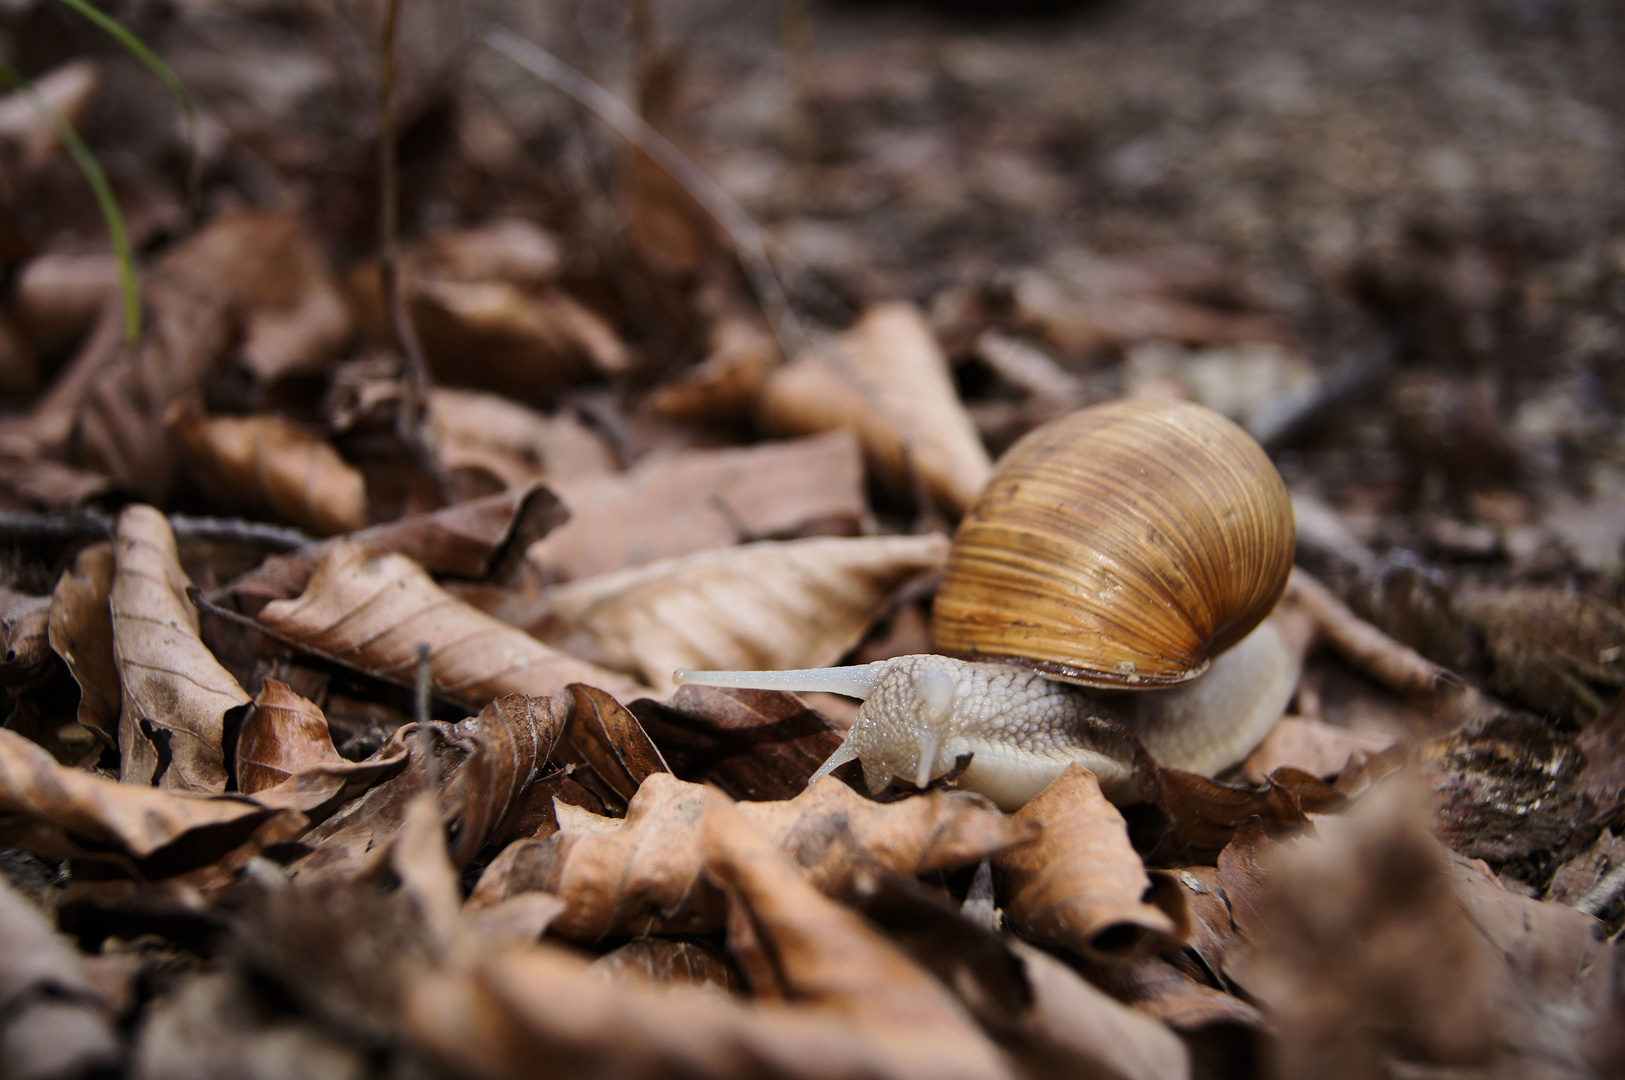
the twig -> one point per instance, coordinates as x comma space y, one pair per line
420, 709
746, 236
24, 526
1395, 665
410, 420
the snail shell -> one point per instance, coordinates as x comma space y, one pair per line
1122, 546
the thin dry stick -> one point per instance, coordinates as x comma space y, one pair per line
746, 236
18, 525
410, 422
796, 41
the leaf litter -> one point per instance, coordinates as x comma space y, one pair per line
409, 792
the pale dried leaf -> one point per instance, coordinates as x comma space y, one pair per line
27, 131
174, 690
646, 871
826, 956
25, 647
83, 806
270, 273
123, 421
59, 294
372, 608
274, 468
519, 1006
764, 606
1316, 747
725, 386
282, 734
887, 379
81, 632
502, 249
680, 503
514, 442
1082, 886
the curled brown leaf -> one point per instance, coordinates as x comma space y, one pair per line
282, 734
81, 632
271, 467
1081, 884
645, 872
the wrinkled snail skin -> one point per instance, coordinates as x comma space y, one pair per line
923, 714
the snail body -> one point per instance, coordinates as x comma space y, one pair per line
1122, 548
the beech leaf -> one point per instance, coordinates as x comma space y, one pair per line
81, 632
273, 468
1081, 884
175, 693
372, 608
643, 872
769, 605
282, 734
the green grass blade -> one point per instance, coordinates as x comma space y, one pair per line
177, 89
104, 198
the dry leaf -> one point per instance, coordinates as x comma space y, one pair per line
513, 442
481, 538
175, 693
826, 956
482, 765
1424, 984
725, 387
271, 275
1038, 1008
887, 379
677, 504
765, 606
508, 1010
605, 738
507, 744
753, 744
497, 335
274, 468
282, 734
56, 1022
81, 632
25, 646
669, 962
59, 807
372, 608
27, 131
502, 249
645, 871
59, 295
1313, 746
1202, 815
1562, 652
1091, 305
122, 423
1081, 884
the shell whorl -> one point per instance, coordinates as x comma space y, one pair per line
1121, 546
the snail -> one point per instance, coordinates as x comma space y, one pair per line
1133, 546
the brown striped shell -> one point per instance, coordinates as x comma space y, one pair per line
1120, 546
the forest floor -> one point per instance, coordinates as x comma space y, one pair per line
345, 577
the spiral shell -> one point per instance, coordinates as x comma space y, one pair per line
1120, 546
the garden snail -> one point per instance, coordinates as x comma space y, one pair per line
1121, 547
